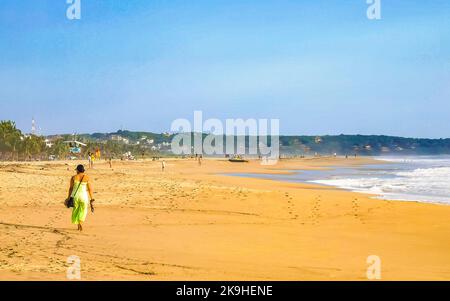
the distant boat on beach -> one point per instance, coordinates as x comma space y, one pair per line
238, 159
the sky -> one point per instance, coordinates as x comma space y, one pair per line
320, 67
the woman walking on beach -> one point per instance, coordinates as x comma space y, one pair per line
81, 192
90, 159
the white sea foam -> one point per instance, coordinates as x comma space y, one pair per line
416, 179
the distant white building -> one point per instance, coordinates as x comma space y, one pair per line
119, 138
48, 143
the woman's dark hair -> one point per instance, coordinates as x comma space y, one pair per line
80, 168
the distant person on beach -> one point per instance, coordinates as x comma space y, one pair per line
81, 192
163, 165
90, 159
110, 162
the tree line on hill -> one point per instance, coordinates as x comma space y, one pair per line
14, 145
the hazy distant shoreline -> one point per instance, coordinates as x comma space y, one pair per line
370, 145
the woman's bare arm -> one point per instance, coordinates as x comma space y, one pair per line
90, 190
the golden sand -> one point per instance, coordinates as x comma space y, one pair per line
192, 222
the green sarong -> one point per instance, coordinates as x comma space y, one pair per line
81, 203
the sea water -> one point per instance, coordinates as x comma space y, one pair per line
424, 178
418, 178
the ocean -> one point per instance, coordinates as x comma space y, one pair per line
418, 178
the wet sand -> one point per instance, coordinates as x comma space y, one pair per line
191, 222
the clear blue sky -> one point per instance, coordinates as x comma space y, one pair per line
321, 67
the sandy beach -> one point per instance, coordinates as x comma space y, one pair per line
193, 222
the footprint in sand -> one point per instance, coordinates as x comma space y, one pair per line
355, 210
315, 211
290, 206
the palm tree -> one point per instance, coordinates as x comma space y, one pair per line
10, 137
31, 146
